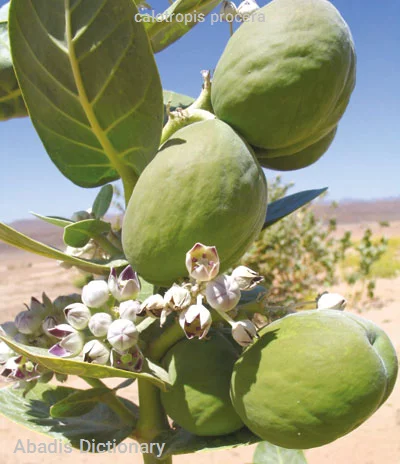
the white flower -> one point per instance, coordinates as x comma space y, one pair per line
77, 315
331, 301
126, 286
122, 334
244, 332
228, 11
99, 324
129, 309
246, 278
202, 262
5, 352
96, 352
196, 321
177, 298
71, 343
223, 293
95, 294
153, 305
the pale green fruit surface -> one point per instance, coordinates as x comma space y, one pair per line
200, 372
286, 76
204, 185
299, 160
313, 377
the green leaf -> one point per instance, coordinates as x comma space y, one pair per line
78, 403
91, 85
11, 102
54, 220
266, 453
75, 366
103, 201
17, 239
146, 290
78, 234
182, 442
32, 411
287, 205
172, 27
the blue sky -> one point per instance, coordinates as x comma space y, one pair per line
362, 163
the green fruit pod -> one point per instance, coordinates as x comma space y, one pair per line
313, 377
200, 372
299, 160
285, 77
205, 185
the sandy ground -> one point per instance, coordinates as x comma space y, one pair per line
375, 442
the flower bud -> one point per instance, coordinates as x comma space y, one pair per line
331, 301
71, 345
77, 315
129, 309
99, 324
122, 334
228, 11
244, 332
153, 305
246, 278
246, 9
126, 286
80, 216
96, 352
196, 321
95, 294
223, 293
177, 298
28, 322
202, 262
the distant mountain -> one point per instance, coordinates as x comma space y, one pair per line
347, 212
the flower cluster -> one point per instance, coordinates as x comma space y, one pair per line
31, 327
207, 289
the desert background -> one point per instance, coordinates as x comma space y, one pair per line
23, 275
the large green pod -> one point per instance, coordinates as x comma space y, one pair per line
313, 377
200, 372
299, 160
204, 185
286, 75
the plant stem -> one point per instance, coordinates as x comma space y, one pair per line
161, 345
113, 402
152, 420
107, 246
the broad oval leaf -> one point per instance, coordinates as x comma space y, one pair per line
32, 411
102, 201
181, 441
17, 239
287, 205
266, 453
78, 234
91, 84
11, 102
168, 27
79, 402
75, 366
